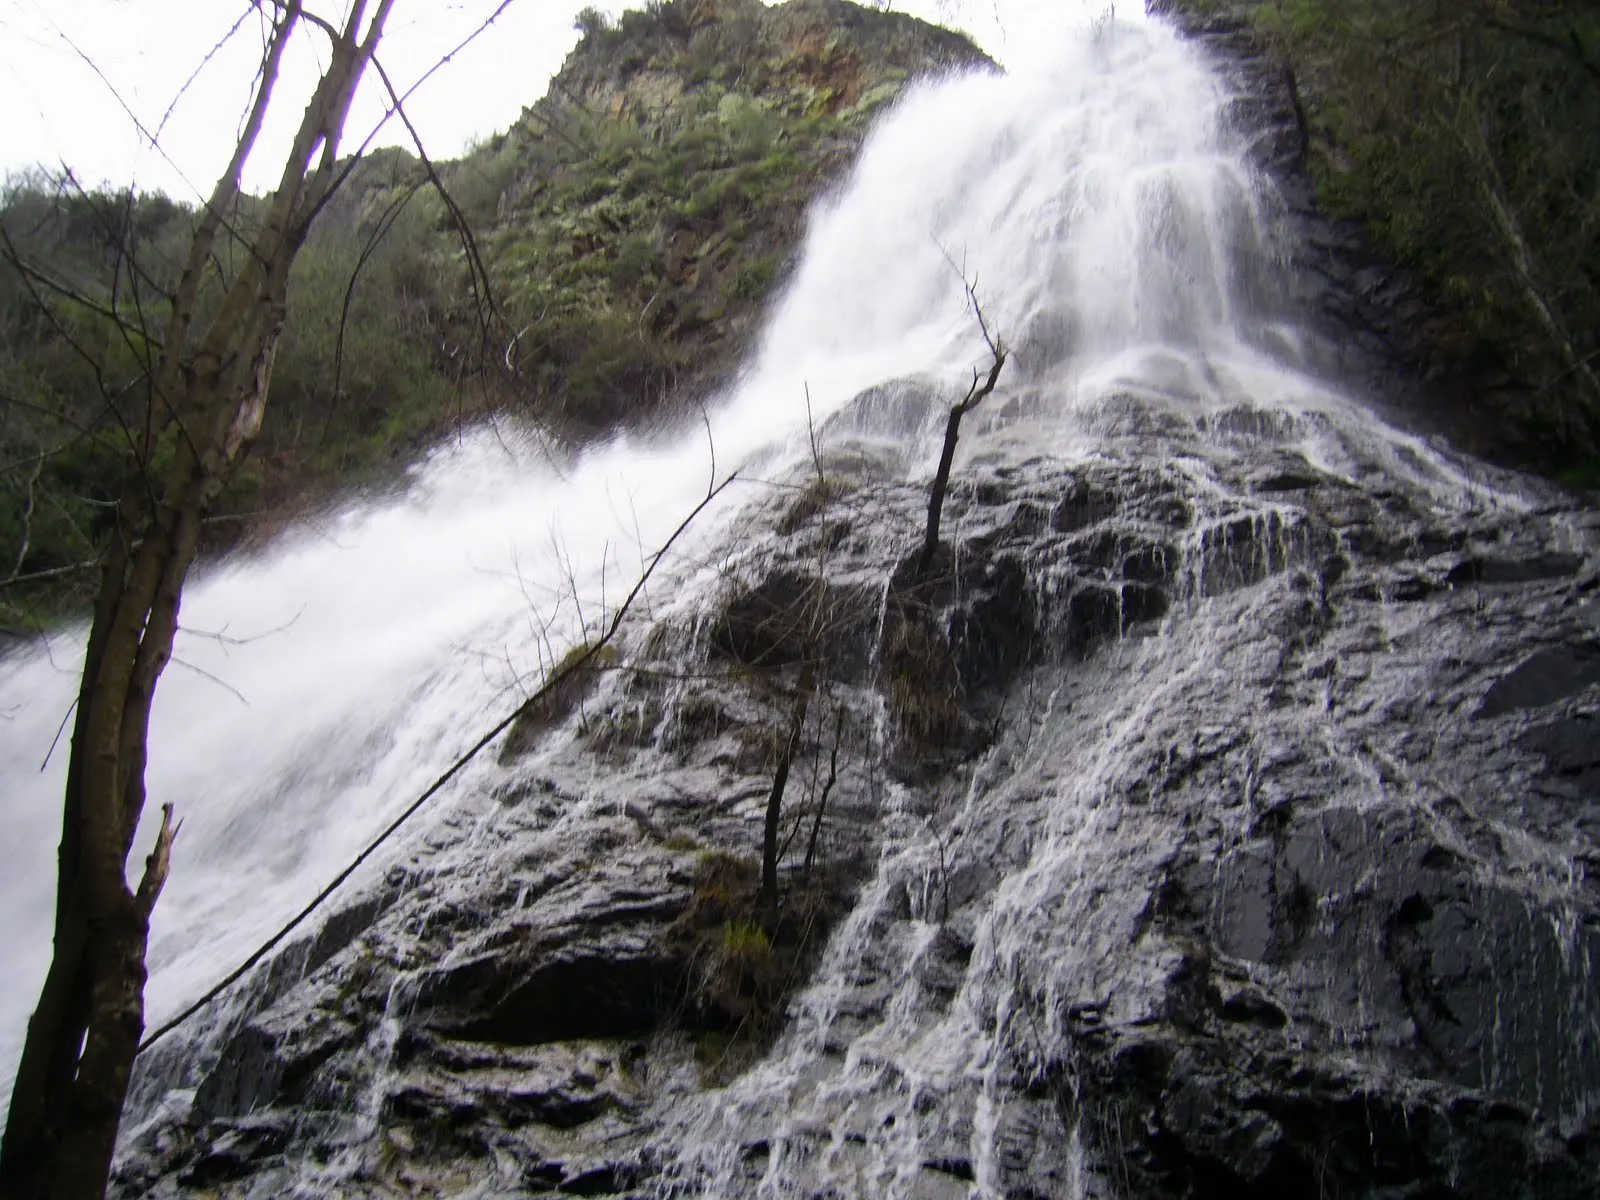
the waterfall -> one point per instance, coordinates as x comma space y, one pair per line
1108, 206
1104, 204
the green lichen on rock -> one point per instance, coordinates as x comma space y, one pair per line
563, 691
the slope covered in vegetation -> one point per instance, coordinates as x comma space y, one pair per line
624, 236
1465, 139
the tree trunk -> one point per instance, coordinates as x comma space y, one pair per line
976, 395
117, 1007
84, 1035
44, 1076
941, 484
780, 782
206, 394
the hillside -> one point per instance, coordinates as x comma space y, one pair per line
1457, 144
625, 236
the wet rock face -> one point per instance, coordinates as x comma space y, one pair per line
1217, 825
1280, 886
1371, 934
1473, 979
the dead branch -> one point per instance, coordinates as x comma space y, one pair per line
976, 394
27, 523
770, 850
827, 790
558, 677
477, 272
159, 863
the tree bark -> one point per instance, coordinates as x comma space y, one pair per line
780, 782
206, 393
952, 434
941, 484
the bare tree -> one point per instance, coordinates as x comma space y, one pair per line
976, 395
814, 620
203, 379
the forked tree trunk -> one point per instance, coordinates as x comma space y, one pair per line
206, 395
976, 394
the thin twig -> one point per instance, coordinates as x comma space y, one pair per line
227, 639
52, 573
205, 674
27, 522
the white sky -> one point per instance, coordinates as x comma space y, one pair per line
58, 111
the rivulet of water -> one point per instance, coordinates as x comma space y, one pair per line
1117, 237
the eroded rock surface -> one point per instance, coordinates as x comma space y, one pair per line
1226, 829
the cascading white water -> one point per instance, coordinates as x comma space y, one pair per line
1118, 237
1124, 240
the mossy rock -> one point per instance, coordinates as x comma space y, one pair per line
567, 683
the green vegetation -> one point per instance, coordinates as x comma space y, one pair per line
1466, 137
569, 681
819, 493
625, 234
741, 967
358, 385
591, 22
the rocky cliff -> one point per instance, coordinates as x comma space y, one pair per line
1260, 866
640, 215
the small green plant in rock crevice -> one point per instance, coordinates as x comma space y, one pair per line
575, 677
739, 965
922, 680
741, 977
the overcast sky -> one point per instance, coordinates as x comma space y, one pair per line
76, 76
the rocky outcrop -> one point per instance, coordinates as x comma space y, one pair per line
1291, 899
1256, 862
816, 56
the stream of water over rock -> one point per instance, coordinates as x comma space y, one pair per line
1170, 416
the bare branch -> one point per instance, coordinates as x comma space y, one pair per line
827, 789
66, 291
976, 394
91, 360
207, 675
223, 195
478, 273
183, 90
159, 863
27, 523
224, 638
385, 223
438, 65
52, 573
568, 669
